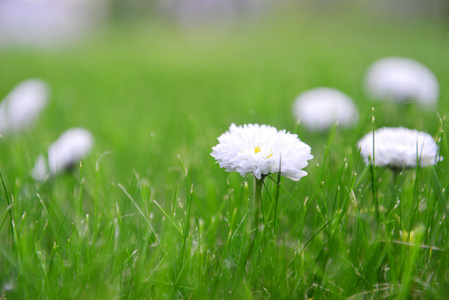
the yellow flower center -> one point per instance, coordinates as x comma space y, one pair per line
257, 150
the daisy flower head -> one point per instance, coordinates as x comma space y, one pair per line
70, 148
261, 150
399, 148
320, 108
400, 80
23, 105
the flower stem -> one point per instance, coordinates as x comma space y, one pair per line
373, 170
258, 185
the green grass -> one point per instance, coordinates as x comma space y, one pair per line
149, 215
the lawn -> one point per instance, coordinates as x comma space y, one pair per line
149, 215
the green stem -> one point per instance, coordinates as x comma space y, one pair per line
373, 170
397, 174
258, 185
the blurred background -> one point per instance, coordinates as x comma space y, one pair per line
47, 23
154, 79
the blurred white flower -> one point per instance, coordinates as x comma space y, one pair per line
261, 149
40, 170
23, 105
321, 108
399, 148
402, 79
71, 147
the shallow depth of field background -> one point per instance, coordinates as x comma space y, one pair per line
156, 92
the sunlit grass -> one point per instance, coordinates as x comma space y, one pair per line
149, 215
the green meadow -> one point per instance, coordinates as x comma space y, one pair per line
149, 215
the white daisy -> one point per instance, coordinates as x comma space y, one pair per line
402, 79
23, 105
321, 108
71, 147
261, 149
399, 148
